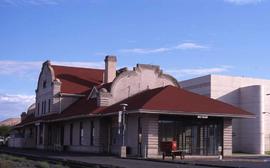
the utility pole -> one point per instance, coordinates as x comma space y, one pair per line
123, 147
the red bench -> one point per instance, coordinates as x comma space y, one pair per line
169, 148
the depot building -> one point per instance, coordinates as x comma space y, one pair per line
77, 109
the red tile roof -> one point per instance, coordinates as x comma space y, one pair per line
77, 80
162, 100
177, 100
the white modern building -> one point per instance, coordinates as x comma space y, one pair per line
250, 94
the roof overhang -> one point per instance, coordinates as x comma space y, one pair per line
142, 111
183, 113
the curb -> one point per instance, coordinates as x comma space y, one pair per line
187, 163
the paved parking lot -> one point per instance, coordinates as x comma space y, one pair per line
113, 161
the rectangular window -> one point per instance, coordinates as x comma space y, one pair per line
71, 134
30, 132
40, 134
42, 107
45, 107
49, 105
49, 135
92, 133
38, 108
81, 133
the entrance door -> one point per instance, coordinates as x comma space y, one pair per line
196, 136
109, 138
199, 139
106, 134
62, 136
185, 140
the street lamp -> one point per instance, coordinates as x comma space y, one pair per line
122, 114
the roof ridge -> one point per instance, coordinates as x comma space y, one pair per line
65, 66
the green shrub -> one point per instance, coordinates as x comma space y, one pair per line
13, 158
42, 165
59, 166
9, 161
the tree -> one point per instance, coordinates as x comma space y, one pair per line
4, 130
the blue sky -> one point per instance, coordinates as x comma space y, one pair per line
187, 38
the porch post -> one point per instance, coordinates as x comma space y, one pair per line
227, 136
37, 134
150, 136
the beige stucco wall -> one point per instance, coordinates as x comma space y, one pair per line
21, 138
128, 83
43, 94
132, 133
86, 139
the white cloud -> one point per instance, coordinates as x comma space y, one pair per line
23, 99
183, 46
13, 105
243, 2
22, 68
30, 2
178, 73
18, 67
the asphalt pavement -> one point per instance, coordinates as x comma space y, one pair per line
95, 160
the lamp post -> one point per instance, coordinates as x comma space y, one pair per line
123, 116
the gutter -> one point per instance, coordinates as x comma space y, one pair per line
195, 113
71, 95
145, 111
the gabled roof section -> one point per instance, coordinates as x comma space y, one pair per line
175, 100
75, 80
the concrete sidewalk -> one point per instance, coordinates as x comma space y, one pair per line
95, 160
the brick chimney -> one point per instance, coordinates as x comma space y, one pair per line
110, 68
23, 116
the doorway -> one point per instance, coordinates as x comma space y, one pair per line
195, 136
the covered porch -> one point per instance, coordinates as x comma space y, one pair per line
196, 136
